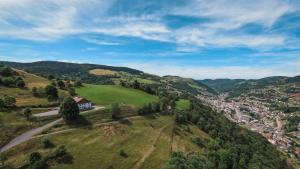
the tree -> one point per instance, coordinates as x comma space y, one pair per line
8, 81
5, 71
27, 113
50, 77
51, 92
61, 84
34, 92
2, 105
71, 91
136, 84
157, 107
69, 109
9, 101
115, 110
78, 83
19, 82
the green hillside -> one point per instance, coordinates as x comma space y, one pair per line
108, 94
146, 141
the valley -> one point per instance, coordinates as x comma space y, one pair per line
138, 120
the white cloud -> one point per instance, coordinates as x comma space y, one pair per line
54, 19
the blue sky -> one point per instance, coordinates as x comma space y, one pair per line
190, 38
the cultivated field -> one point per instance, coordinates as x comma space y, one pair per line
108, 94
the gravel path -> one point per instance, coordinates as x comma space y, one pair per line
27, 135
55, 112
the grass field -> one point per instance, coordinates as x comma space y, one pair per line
182, 104
108, 94
146, 141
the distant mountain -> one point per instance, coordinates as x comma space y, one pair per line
221, 85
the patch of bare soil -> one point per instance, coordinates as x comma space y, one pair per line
112, 129
297, 96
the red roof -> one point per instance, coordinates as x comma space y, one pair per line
80, 100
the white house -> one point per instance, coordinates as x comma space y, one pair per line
82, 103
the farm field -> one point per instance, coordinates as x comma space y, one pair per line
108, 94
145, 140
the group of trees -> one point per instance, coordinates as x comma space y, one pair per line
10, 78
232, 147
7, 102
148, 88
149, 109
292, 123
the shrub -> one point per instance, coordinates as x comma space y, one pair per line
115, 110
123, 153
8, 81
47, 143
34, 157
27, 113
60, 151
9, 101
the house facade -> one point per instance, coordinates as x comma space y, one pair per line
83, 104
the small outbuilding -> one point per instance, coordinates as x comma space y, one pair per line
83, 104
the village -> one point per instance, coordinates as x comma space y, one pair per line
256, 116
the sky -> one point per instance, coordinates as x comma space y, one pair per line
190, 38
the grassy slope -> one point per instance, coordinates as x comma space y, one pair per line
99, 147
108, 94
182, 104
24, 96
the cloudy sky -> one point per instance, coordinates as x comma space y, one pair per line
190, 38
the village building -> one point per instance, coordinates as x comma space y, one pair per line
83, 104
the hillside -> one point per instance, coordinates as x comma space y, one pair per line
101, 74
24, 96
146, 138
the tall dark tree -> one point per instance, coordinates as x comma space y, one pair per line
69, 109
51, 92
115, 110
61, 84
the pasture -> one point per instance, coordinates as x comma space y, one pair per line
108, 94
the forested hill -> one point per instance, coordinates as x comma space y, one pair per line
231, 85
64, 68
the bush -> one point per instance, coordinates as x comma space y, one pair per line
115, 110
47, 143
27, 113
8, 81
60, 151
123, 153
9, 101
20, 83
34, 157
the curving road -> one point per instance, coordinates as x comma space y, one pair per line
29, 134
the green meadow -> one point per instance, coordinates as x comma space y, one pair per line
108, 94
